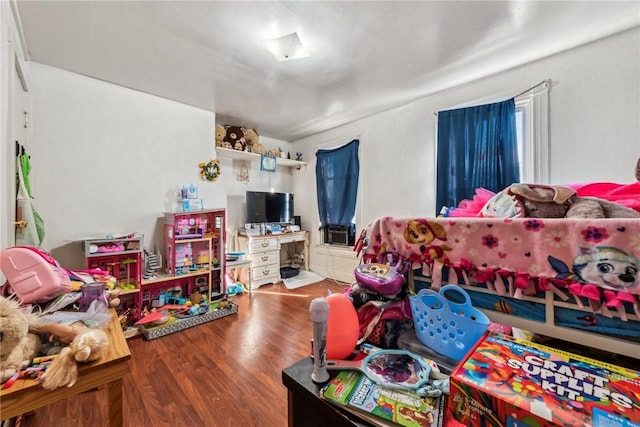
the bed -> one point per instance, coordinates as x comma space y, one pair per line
569, 278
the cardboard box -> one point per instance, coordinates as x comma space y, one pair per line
504, 381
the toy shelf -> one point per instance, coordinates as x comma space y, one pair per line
129, 291
250, 157
170, 278
194, 263
194, 246
120, 257
101, 247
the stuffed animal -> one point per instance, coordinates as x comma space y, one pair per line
274, 152
17, 345
553, 201
549, 201
220, 135
235, 137
20, 336
258, 148
251, 138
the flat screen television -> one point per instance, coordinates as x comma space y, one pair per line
262, 206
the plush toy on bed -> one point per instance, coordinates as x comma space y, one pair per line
551, 201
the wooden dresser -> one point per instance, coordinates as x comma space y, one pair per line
265, 254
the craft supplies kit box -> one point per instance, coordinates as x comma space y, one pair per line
504, 381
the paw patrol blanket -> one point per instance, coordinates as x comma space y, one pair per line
594, 261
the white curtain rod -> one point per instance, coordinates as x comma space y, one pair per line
543, 84
332, 145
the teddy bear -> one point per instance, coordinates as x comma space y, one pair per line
275, 152
220, 135
17, 345
258, 148
235, 137
251, 138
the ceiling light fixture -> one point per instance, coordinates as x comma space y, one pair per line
286, 48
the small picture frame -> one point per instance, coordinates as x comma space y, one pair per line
268, 163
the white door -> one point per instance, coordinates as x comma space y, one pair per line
13, 104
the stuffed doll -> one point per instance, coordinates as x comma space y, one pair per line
83, 345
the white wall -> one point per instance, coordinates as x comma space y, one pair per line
280, 181
594, 136
108, 159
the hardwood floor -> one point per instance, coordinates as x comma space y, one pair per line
222, 373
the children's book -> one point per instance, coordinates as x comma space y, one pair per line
356, 393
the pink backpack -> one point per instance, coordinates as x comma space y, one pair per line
33, 275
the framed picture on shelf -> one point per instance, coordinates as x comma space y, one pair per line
267, 163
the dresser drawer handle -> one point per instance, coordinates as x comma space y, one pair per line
265, 272
265, 244
265, 258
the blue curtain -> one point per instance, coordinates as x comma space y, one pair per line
337, 173
477, 147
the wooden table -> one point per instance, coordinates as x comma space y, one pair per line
27, 395
306, 408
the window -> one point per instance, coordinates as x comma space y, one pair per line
529, 147
476, 147
337, 173
532, 127
340, 235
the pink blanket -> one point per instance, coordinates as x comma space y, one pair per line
625, 194
596, 261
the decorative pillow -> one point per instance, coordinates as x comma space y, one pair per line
503, 205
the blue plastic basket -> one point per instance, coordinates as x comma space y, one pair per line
445, 326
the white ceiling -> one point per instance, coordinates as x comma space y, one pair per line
366, 56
